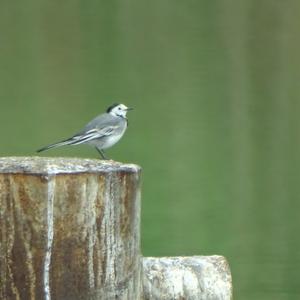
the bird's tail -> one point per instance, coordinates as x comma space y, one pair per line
55, 145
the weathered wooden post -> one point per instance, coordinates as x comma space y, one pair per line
70, 230
190, 278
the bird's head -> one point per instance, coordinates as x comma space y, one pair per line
118, 110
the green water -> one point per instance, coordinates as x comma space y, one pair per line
215, 87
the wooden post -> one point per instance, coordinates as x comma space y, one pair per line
70, 229
192, 278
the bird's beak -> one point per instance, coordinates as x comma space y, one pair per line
129, 108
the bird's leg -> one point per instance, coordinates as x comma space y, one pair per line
101, 152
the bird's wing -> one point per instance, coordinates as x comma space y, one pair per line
93, 130
92, 134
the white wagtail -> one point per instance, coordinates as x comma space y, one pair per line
102, 132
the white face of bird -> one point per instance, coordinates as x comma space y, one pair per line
119, 110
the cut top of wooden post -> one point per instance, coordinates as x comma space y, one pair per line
62, 165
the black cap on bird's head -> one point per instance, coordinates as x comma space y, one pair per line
118, 110
111, 107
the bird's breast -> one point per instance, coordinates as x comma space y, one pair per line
114, 138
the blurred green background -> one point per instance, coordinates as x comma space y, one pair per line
215, 87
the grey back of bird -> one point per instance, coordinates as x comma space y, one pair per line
105, 123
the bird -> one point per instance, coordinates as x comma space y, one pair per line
102, 132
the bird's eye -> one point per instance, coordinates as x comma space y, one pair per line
119, 108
